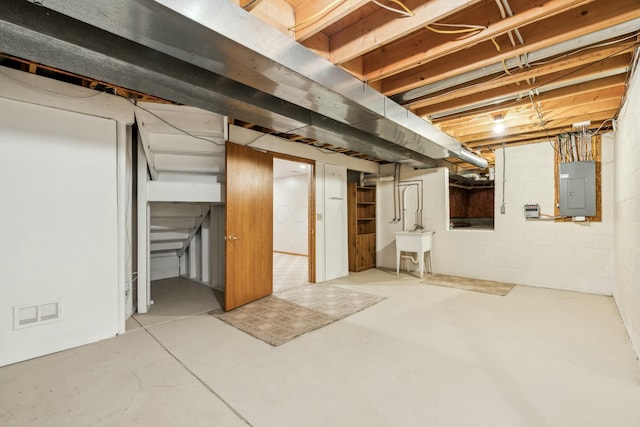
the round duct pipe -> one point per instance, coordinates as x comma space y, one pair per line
375, 179
469, 157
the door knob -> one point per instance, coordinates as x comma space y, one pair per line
232, 237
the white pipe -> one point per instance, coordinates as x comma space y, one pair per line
374, 179
510, 13
404, 209
396, 194
469, 157
419, 198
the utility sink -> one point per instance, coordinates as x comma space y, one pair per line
414, 241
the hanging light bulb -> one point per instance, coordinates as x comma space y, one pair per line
498, 126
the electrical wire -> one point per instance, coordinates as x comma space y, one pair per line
506, 70
495, 43
581, 68
504, 15
325, 10
466, 28
405, 11
255, 139
542, 124
451, 92
515, 101
536, 88
510, 13
551, 61
172, 125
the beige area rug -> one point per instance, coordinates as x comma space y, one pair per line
469, 284
281, 317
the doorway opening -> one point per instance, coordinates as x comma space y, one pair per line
293, 222
471, 202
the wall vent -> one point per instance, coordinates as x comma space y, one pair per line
28, 315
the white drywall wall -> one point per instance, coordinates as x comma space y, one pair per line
58, 224
164, 267
627, 213
538, 253
290, 214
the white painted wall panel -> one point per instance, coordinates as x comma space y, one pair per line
290, 214
627, 213
58, 224
164, 267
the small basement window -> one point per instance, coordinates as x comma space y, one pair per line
471, 202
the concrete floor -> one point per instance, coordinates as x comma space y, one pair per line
425, 356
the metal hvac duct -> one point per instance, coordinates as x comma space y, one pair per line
216, 56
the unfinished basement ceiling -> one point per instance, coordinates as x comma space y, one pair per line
539, 66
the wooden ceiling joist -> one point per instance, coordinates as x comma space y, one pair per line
616, 64
525, 76
521, 121
312, 17
353, 41
561, 95
560, 28
386, 62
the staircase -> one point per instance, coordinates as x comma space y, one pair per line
184, 148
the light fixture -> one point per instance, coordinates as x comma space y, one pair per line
498, 126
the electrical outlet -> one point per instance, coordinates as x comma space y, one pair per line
503, 209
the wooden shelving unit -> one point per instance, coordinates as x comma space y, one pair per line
362, 227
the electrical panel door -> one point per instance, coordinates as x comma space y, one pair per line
578, 189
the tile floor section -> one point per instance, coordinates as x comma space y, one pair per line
425, 356
289, 271
286, 315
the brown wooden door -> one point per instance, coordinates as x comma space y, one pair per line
248, 225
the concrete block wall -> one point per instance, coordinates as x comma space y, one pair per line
627, 213
539, 253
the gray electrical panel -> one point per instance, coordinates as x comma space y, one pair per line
578, 189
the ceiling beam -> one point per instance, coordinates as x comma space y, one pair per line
614, 92
313, 16
553, 126
522, 138
523, 75
248, 5
617, 64
377, 29
599, 16
556, 94
530, 116
384, 63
